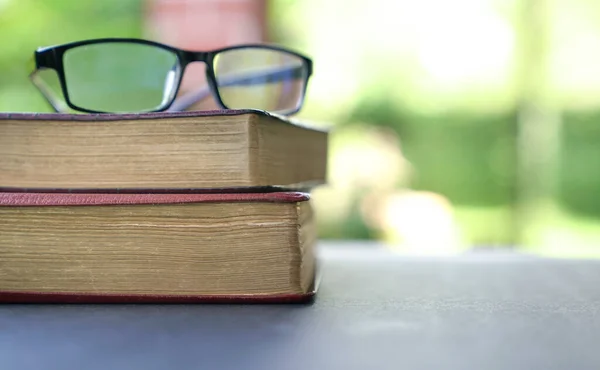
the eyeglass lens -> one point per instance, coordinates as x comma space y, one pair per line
120, 77
264, 79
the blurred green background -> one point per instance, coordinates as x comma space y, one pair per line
455, 124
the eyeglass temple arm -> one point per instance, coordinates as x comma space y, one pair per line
271, 75
57, 106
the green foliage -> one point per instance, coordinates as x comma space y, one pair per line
29, 24
469, 158
579, 170
472, 160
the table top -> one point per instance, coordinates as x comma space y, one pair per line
374, 310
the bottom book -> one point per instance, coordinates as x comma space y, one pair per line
157, 248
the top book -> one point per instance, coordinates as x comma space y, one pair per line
226, 149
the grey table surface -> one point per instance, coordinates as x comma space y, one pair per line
374, 310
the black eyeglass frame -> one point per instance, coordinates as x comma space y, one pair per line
51, 57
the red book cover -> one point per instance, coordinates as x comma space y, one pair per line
16, 199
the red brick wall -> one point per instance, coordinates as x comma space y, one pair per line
205, 25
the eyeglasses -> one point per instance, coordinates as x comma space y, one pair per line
132, 76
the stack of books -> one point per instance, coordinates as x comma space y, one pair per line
158, 207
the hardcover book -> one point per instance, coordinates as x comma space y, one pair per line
98, 247
168, 152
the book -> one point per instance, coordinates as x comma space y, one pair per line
77, 247
218, 151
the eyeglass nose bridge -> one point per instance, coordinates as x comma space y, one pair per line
195, 56
187, 57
